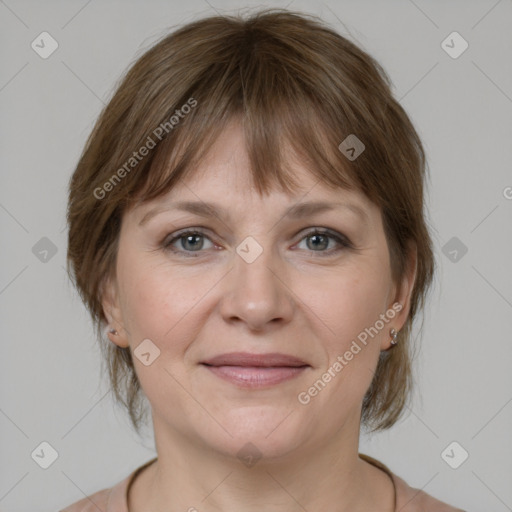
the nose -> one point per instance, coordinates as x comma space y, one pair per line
256, 292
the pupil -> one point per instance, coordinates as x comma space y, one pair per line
192, 237
317, 237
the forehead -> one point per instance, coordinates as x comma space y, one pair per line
224, 176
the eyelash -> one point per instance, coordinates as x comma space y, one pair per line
342, 242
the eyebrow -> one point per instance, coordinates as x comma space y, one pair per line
300, 210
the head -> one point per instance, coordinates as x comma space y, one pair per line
248, 114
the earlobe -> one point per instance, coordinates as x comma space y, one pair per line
112, 312
402, 300
115, 337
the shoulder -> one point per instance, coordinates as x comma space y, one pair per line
94, 502
112, 499
410, 499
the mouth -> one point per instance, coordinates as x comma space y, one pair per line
255, 370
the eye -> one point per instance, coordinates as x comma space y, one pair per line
318, 240
188, 241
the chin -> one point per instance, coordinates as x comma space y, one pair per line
258, 431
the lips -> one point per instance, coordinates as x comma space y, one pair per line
247, 370
255, 360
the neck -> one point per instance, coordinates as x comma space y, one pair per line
311, 477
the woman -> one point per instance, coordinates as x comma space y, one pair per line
246, 221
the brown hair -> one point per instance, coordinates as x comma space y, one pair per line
292, 80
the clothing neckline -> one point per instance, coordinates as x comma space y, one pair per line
133, 477
378, 464
366, 458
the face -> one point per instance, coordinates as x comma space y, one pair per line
315, 288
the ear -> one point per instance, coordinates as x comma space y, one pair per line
402, 293
112, 312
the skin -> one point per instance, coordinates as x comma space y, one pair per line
295, 298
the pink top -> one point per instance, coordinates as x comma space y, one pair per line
115, 499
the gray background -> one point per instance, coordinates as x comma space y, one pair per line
51, 387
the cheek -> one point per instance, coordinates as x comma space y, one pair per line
158, 301
350, 306
350, 303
